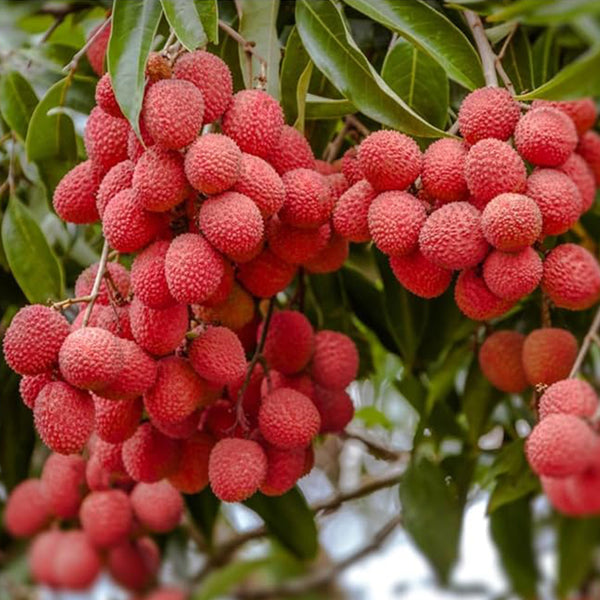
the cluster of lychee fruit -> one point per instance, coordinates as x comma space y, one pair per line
481, 205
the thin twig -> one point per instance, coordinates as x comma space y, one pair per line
587, 341
356, 123
507, 41
453, 130
333, 148
97, 282
55, 25
374, 447
488, 58
505, 78
74, 62
67, 302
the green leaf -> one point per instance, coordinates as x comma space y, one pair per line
134, 25
221, 581
431, 32
542, 12
258, 24
373, 417
204, 509
442, 377
329, 43
31, 260
518, 62
185, 22
301, 92
278, 512
573, 81
318, 107
544, 57
432, 514
229, 52
512, 532
50, 141
418, 80
295, 60
17, 102
209, 15
577, 540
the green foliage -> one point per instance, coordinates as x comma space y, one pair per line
183, 17
17, 102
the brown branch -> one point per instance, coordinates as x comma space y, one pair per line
488, 58
353, 121
74, 62
374, 447
67, 302
333, 148
97, 282
591, 336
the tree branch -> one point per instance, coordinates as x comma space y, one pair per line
97, 282
74, 62
591, 336
488, 58
374, 447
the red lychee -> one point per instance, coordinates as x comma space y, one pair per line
157, 506
335, 360
106, 518
419, 275
548, 355
266, 275
27, 510
500, 361
335, 409
76, 562
512, 275
105, 139
74, 198
291, 151
474, 298
63, 480
443, 170
569, 397
350, 215
117, 421
191, 475
284, 468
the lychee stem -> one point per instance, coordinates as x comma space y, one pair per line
590, 336
96, 288
488, 58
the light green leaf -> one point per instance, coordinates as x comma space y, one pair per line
418, 80
518, 62
372, 417
258, 24
32, 262
185, 22
431, 32
134, 25
542, 12
301, 92
318, 107
544, 57
222, 581
295, 59
329, 43
17, 102
209, 15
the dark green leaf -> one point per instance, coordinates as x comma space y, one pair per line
542, 12
185, 22
413, 390
431, 32
278, 512
258, 24
229, 52
518, 62
204, 509
50, 141
512, 532
32, 261
209, 15
220, 582
293, 65
577, 539
418, 80
134, 25
17, 102
432, 514
328, 41
318, 107
544, 57
301, 92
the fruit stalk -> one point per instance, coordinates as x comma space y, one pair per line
97, 282
488, 58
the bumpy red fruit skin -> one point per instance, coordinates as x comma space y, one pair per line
350, 215
335, 408
488, 112
105, 139
176, 393
157, 506
290, 341
31, 385
105, 97
126, 225
33, 339
350, 166
179, 430
338, 184
511, 222
295, 245
284, 468
266, 275
148, 280
548, 355
236, 311
254, 121
211, 76
27, 510
335, 360
474, 298
500, 361
159, 179
589, 149
63, 480
557, 198
308, 201
41, 557
90, 358
76, 562
512, 275
583, 177
301, 382
236, 469
232, 223
112, 318
106, 518
191, 475
395, 221
582, 112
135, 148
443, 170
74, 199
150, 456
218, 356
116, 180
452, 238
419, 275
288, 419
96, 51
379, 156
193, 269
64, 417
173, 112
119, 276
158, 331
134, 564
493, 167
291, 151
571, 277
260, 182
560, 445
116, 421
545, 136
569, 397
331, 258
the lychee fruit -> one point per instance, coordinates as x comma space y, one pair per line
582, 112
157, 506
513, 275
105, 97
119, 178
583, 177
335, 360
331, 258
266, 275
31, 385
105, 139
589, 149
419, 275
548, 355
136, 146
474, 298
76, 562
27, 510
135, 563
117, 421
350, 215
443, 170
500, 361
41, 557
335, 409
74, 198
569, 397
96, 50
350, 166
191, 475
235, 312
63, 480
284, 468
291, 151
106, 517
148, 279
115, 273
